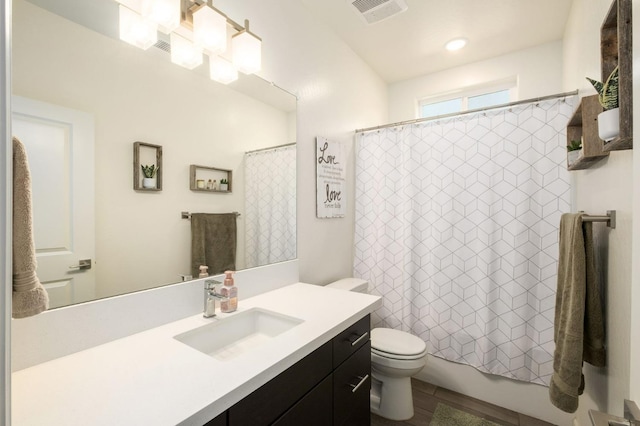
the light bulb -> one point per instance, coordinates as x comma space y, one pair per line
221, 70
184, 52
210, 30
136, 30
247, 52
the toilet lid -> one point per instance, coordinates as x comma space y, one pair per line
396, 342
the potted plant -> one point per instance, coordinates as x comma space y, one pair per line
224, 185
149, 172
609, 119
574, 149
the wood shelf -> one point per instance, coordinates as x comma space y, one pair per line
148, 153
616, 50
583, 126
205, 174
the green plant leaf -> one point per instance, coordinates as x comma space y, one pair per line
608, 91
574, 146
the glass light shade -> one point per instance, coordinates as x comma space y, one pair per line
222, 70
136, 30
184, 52
247, 52
166, 13
210, 30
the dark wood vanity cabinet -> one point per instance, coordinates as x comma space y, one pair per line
328, 387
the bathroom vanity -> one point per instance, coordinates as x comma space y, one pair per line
313, 367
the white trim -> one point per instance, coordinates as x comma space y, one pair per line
6, 196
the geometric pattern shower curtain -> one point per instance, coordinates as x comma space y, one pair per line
270, 204
457, 228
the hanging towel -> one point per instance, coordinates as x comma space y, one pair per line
213, 242
29, 296
579, 323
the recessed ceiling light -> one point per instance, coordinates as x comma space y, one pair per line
456, 44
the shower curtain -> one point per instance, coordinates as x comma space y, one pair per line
270, 204
457, 228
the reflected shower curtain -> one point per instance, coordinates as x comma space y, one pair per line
457, 228
270, 204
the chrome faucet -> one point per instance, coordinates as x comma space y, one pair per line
210, 297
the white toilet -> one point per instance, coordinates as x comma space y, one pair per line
395, 357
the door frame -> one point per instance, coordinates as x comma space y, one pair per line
6, 206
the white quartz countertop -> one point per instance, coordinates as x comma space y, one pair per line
150, 378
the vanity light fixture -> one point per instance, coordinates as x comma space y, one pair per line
194, 27
247, 50
456, 44
221, 70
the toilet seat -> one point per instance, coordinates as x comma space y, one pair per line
396, 344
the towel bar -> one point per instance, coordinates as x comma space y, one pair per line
610, 218
187, 215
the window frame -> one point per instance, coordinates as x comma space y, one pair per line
468, 92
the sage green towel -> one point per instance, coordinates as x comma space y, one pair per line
29, 297
579, 323
213, 242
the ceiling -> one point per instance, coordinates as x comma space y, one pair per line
411, 43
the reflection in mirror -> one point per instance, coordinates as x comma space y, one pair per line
82, 98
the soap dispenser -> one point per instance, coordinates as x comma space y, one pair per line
230, 294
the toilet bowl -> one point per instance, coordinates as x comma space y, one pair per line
395, 357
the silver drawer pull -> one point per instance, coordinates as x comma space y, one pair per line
355, 342
362, 380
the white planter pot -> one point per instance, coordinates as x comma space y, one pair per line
572, 156
224, 187
148, 183
609, 124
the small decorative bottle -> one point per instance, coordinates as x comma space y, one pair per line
230, 294
215, 185
209, 184
203, 271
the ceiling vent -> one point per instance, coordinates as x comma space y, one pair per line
372, 11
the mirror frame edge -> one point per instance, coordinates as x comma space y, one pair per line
6, 196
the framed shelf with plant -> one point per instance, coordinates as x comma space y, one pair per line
584, 146
147, 167
210, 179
616, 54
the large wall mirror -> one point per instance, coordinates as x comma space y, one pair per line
82, 98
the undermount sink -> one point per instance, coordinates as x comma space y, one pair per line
227, 338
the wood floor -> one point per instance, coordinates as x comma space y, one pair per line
426, 396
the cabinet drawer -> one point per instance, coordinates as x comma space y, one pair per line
351, 388
350, 340
315, 409
221, 420
266, 404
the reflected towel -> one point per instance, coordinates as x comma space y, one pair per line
29, 296
213, 242
579, 323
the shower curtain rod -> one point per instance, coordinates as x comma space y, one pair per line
271, 147
453, 114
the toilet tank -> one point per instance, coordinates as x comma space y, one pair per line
351, 284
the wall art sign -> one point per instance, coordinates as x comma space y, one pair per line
331, 160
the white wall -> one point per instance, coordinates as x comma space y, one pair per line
537, 70
140, 96
337, 94
607, 186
